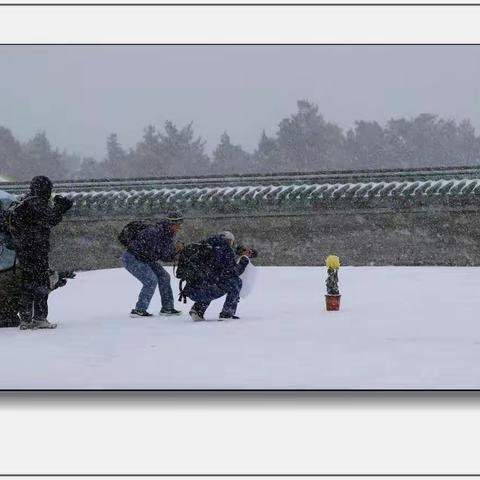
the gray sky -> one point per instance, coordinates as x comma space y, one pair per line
80, 94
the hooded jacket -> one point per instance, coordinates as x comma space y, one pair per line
223, 264
153, 243
31, 224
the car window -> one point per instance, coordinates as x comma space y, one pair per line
6, 199
7, 256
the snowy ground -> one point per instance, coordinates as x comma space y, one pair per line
399, 327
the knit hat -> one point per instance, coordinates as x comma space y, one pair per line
174, 217
227, 235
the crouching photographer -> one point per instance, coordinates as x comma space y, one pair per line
211, 270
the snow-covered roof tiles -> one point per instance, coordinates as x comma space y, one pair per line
276, 197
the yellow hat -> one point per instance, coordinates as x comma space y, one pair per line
332, 261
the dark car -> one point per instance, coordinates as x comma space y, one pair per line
9, 275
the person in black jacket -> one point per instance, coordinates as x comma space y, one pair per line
149, 245
30, 224
221, 277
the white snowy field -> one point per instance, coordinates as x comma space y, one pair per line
399, 327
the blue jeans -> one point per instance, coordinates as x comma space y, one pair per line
150, 275
203, 294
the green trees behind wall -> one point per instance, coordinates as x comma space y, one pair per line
305, 141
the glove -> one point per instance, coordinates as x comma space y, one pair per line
62, 203
67, 274
244, 261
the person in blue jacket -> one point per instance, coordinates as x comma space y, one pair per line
149, 246
222, 277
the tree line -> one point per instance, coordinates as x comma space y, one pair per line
303, 142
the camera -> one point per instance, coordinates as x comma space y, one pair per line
63, 203
241, 250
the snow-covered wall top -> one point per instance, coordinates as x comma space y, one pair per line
279, 198
273, 193
277, 179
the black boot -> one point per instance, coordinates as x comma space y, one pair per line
224, 315
26, 321
197, 312
168, 312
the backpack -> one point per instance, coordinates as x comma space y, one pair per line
130, 231
193, 264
